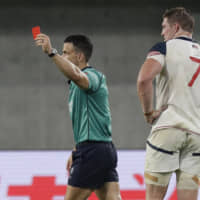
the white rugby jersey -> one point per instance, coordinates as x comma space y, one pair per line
178, 84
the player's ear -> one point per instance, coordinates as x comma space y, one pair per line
177, 27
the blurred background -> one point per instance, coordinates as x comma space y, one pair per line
34, 93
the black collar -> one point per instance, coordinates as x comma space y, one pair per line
86, 68
184, 38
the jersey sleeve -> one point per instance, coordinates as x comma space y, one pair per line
94, 80
158, 52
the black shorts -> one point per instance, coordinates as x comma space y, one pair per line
94, 163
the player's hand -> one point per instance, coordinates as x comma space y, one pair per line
152, 117
155, 114
43, 41
69, 163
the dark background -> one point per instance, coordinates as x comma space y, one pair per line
33, 93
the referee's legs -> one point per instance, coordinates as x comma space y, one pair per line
76, 193
109, 191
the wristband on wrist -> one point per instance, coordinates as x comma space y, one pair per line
53, 53
148, 113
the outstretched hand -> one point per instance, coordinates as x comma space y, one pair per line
43, 41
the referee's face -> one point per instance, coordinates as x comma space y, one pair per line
70, 53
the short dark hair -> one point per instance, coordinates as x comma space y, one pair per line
181, 16
81, 43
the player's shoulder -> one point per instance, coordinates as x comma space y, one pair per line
158, 48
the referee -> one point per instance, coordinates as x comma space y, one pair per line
92, 164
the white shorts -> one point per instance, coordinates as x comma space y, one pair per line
170, 149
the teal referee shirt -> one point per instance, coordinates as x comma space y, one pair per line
89, 109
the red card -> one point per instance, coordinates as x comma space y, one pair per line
35, 31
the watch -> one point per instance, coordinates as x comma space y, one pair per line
53, 52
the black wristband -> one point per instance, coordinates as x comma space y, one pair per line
53, 53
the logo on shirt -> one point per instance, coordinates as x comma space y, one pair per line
194, 46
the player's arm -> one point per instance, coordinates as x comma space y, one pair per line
147, 73
152, 66
70, 70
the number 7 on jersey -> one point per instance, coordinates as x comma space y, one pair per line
195, 75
